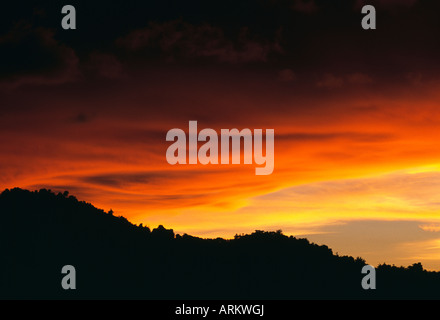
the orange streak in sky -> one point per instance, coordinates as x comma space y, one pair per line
116, 159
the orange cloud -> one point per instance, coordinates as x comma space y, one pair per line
108, 147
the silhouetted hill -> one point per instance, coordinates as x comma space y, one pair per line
40, 232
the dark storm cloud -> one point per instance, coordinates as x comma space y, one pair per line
178, 39
32, 56
313, 38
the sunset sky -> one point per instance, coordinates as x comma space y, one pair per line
356, 115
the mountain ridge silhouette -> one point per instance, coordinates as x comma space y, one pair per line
41, 231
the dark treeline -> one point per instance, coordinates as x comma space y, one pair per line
41, 231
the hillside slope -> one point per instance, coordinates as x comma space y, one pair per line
40, 232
